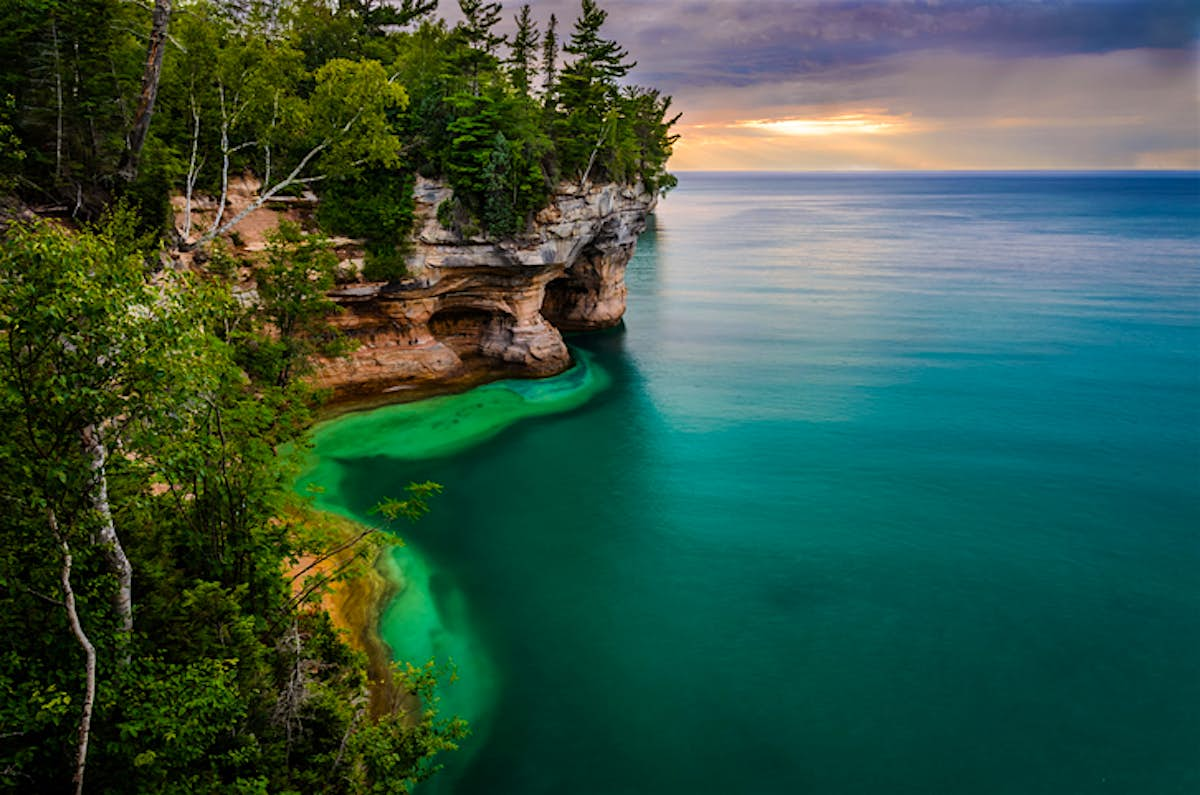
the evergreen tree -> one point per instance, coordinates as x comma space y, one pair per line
476, 31
596, 58
587, 94
550, 61
478, 25
523, 46
375, 15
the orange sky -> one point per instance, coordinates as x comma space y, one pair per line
917, 84
1122, 110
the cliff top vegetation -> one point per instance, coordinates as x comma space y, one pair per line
348, 99
160, 629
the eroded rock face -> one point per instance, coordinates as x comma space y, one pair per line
476, 309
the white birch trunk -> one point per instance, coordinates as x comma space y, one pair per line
89, 651
110, 543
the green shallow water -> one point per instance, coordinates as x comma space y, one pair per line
429, 618
891, 484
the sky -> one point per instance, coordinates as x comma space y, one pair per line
916, 84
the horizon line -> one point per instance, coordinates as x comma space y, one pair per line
1195, 170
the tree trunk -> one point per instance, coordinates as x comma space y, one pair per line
145, 108
89, 651
291, 179
58, 100
193, 172
114, 554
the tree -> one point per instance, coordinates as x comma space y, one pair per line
150, 76
494, 159
72, 68
599, 59
82, 333
602, 129
293, 289
345, 123
11, 152
479, 21
375, 15
523, 47
235, 682
550, 61
588, 92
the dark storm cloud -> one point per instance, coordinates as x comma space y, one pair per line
740, 42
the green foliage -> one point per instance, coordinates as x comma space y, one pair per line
597, 58
494, 159
11, 152
378, 207
385, 263
601, 130
389, 757
550, 60
479, 22
235, 680
354, 95
412, 508
71, 68
523, 49
293, 288
234, 683
176, 725
314, 94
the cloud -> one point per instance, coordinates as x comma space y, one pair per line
950, 110
735, 42
949, 84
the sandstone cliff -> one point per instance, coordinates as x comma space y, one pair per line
475, 309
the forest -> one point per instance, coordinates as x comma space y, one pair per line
162, 627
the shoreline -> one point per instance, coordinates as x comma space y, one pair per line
451, 423
355, 606
334, 407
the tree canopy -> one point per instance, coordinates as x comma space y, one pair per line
152, 413
158, 632
315, 95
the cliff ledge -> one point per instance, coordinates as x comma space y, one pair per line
476, 309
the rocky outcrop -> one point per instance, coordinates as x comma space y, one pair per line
475, 309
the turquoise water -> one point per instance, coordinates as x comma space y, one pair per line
890, 484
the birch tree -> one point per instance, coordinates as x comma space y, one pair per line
80, 332
256, 117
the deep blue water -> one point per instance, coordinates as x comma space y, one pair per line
895, 489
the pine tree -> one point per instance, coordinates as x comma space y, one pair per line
374, 15
588, 94
597, 58
479, 20
550, 60
523, 46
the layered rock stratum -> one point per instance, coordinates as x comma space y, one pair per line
476, 308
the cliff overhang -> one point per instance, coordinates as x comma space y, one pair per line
475, 308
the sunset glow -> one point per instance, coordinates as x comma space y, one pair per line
857, 124
783, 85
